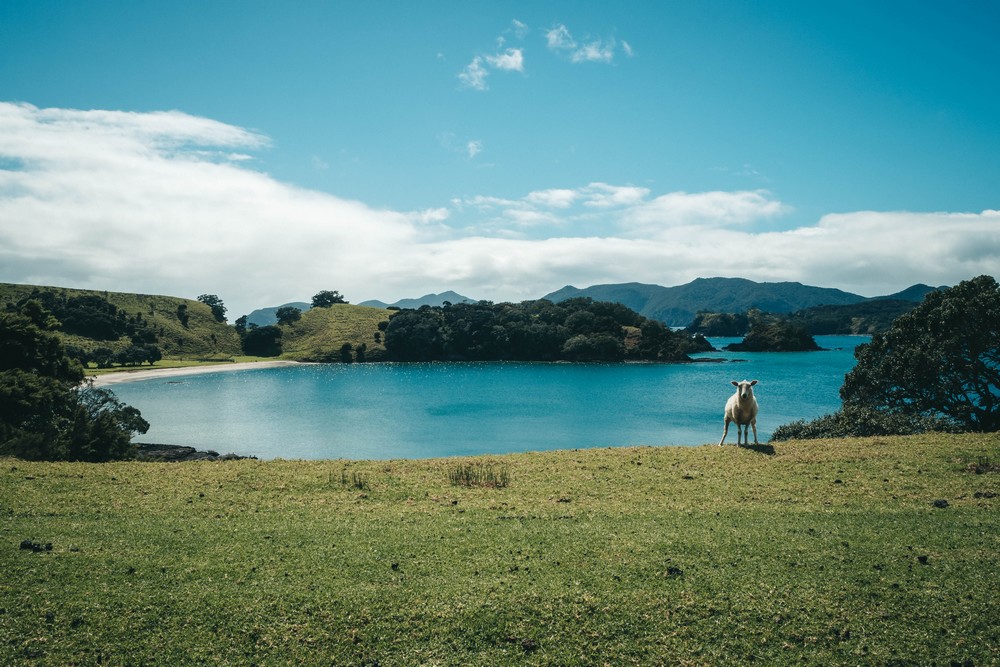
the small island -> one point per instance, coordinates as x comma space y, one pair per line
778, 336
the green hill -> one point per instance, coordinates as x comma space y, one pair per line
182, 327
322, 333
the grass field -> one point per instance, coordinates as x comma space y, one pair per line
822, 552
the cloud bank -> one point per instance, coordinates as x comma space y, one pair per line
170, 203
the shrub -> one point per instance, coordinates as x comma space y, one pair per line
853, 421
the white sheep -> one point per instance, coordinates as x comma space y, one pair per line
742, 409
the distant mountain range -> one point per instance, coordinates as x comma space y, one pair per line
677, 306
426, 300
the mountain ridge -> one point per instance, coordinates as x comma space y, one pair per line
426, 300
677, 306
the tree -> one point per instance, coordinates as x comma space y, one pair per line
345, 353
942, 359
215, 303
241, 324
327, 298
262, 341
44, 414
288, 314
99, 427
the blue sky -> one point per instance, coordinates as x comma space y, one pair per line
265, 150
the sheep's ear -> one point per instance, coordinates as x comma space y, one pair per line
735, 383
753, 382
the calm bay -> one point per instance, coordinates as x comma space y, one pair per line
390, 410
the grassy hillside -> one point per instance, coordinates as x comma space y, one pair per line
202, 337
876, 551
322, 332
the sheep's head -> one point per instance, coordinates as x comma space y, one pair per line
744, 388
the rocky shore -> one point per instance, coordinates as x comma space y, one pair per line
178, 453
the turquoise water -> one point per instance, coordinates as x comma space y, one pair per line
384, 411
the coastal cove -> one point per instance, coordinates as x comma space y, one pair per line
427, 410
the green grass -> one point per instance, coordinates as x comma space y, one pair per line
825, 553
321, 333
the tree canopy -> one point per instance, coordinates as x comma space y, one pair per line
327, 298
779, 335
576, 329
942, 359
262, 341
90, 316
44, 412
215, 303
288, 314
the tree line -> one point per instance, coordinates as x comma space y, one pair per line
579, 329
867, 317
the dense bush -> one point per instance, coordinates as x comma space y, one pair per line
575, 330
44, 412
262, 341
91, 316
853, 421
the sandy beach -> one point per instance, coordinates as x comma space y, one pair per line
157, 373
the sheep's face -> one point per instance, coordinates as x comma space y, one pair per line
744, 388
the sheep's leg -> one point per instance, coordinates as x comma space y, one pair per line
741, 430
725, 431
754, 424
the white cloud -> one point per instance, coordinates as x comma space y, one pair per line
679, 209
560, 40
594, 52
553, 198
602, 195
145, 203
474, 75
511, 60
474, 148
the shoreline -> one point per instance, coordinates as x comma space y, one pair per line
155, 373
